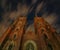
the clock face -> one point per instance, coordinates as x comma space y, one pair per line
30, 45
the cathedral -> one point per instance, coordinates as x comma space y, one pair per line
38, 36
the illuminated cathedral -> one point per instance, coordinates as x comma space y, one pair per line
38, 36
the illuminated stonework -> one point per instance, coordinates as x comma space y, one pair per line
38, 36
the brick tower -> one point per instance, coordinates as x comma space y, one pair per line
38, 36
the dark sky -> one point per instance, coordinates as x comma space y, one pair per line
30, 9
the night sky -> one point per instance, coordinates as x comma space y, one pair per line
11, 9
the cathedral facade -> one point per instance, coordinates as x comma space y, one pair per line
38, 36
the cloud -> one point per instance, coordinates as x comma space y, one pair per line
11, 9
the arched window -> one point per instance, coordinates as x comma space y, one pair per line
10, 47
30, 45
45, 36
50, 46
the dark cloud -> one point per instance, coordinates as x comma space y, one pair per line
52, 6
11, 9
